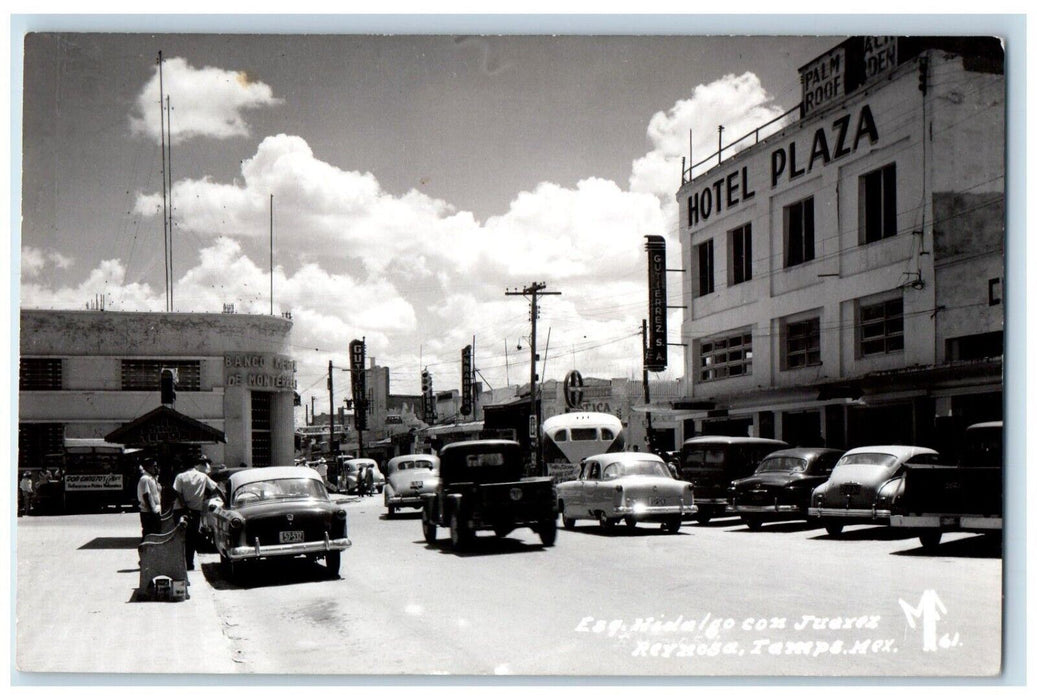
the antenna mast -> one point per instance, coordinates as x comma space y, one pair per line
165, 211
169, 160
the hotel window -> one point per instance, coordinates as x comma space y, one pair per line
799, 232
39, 374
740, 254
880, 327
878, 204
144, 375
720, 358
801, 343
705, 251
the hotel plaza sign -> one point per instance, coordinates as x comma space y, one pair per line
259, 371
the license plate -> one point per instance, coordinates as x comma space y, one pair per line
289, 536
658, 501
948, 521
416, 484
851, 489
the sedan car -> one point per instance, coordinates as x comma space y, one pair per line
631, 487
407, 478
780, 487
864, 484
350, 471
277, 512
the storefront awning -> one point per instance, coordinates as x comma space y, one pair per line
167, 426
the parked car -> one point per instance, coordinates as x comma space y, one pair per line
632, 487
350, 471
481, 487
712, 462
407, 479
864, 485
962, 497
780, 487
278, 512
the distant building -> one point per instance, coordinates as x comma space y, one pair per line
844, 275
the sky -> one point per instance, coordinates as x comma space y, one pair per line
415, 180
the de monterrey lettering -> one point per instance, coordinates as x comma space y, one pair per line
828, 143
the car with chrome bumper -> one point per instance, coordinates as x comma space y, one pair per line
865, 485
275, 513
780, 487
629, 487
407, 479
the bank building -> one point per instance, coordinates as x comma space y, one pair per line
89, 379
843, 266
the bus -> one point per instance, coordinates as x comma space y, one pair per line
569, 438
98, 474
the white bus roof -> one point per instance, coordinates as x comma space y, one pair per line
582, 418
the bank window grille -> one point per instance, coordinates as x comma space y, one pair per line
721, 358
36, 441
261, 432
145, 375
880, 328
39, 374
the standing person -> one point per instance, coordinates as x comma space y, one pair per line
361, 480
369, 481
149, 499
193, 488
25, 494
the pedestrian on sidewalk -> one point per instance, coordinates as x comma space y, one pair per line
149, 499
26, 492
193, 489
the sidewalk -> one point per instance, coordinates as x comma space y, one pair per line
75, 609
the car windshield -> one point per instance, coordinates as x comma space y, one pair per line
878, 459
278, 489
643, 468
786, 465
708, 458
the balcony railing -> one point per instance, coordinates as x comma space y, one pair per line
718, 155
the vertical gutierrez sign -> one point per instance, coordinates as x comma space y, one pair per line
357, 350
466, 380
655, 352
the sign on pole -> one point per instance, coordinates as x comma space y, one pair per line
466, 380
357, 351
655, 352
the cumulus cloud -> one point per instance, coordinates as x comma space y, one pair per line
206, 102
738, 103
414, 275
35, 260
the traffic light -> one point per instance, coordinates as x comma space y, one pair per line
426, 382
168, 386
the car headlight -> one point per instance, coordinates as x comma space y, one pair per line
640, 508
236, 523
340, 514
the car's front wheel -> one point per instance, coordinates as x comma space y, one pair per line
428, 528
548, 531
460, 535
672, 525
605, 522
833, 528
703, 517
392, 511
751, 522
930, 539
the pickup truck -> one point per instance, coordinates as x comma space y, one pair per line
481, 487
966, 497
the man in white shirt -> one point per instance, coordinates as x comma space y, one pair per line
149, 499
193, 489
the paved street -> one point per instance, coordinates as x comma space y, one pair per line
712, 600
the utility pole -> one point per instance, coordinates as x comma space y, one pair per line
532, 291
331, 407
650, 438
